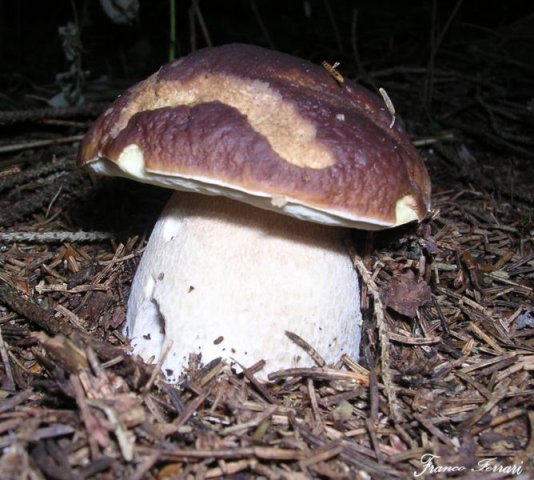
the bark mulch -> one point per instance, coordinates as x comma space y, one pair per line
444, 383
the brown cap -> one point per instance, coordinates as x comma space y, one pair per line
268, 129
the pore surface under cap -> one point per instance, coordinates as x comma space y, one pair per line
269, 129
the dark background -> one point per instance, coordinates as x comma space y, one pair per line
388, 33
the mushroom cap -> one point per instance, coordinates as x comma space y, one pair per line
268, 129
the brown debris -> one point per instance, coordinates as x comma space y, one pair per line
447, 358
450, 374
405, 293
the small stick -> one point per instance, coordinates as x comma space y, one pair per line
320, 374
157, 368
371, 429
355, 51
10, 171
148, 462
202, 23
267, 453
40, 173
191, 409
383, 331
55, 237
126, 443
395, 337
91, 109
192, 27
389, 105
172, 30
435, 42
314, 354
261, 24
54, 198
9, 384
97, 435
257, 384
315, 407
39, 143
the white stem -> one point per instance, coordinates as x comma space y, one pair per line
222, 278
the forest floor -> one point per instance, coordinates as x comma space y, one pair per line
445, 380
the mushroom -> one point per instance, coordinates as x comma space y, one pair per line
274, 157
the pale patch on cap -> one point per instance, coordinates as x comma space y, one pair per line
406, 210
290, 135
132, 161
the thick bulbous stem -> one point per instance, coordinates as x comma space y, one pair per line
221, 278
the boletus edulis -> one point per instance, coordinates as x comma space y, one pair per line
273, 160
